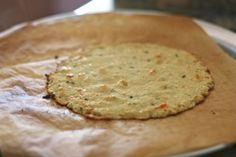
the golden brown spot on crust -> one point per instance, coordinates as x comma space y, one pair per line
158, 59
103, 88
161, 106
110, 98
197, 77
88, 109
152, 71
213, 112
123, 83
69, 75
81, 91
65, 68
158, 56
164, 86
71, 97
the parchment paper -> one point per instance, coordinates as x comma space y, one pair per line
37, 127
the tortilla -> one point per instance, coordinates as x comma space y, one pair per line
130, 81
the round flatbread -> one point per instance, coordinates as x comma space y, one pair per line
130, 81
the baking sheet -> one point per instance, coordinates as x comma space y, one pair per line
36, 111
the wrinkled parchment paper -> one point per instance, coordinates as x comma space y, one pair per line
36, 127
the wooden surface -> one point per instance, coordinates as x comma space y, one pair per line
26, 115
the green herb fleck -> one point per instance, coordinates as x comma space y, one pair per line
80, 110
70, 82
146, 51
132, 103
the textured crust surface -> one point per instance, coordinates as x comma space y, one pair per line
130, 81
32, 126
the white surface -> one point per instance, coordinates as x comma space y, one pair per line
95, 6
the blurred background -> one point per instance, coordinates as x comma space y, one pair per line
221, 12
17, 11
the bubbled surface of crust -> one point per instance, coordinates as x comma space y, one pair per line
130, 81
